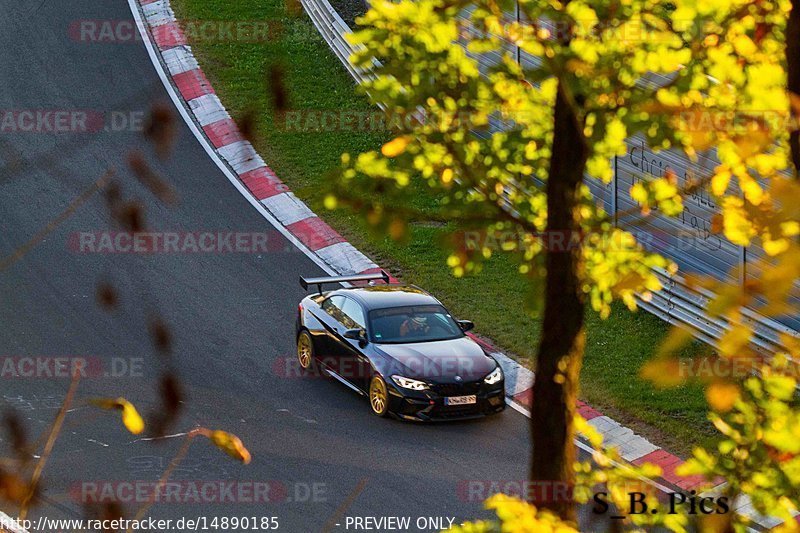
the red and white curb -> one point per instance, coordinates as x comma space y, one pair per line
631, 447
218, 133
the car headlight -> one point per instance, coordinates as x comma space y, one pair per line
408, 383
494, 377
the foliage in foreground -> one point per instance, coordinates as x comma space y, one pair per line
506, 148
758, 454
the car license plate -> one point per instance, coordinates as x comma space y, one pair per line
461, 400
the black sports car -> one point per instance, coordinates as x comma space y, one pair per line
400, 347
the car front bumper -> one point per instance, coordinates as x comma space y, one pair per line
430, 406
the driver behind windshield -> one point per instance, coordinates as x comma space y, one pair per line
414, 326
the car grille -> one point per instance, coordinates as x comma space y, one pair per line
456, 411
457, 389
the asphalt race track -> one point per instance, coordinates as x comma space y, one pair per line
231, 316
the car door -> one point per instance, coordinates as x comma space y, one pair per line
330, 349
354, 363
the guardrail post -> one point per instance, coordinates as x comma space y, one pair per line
742, 265
742, 261
614, 189
519, 52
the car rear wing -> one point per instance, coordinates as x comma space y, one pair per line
319, 282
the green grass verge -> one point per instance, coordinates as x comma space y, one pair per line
315, 80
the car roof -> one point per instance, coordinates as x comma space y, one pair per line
391, 295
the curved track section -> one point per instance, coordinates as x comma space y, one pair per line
231, 314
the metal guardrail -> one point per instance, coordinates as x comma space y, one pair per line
679, 304
333, 30
676, 303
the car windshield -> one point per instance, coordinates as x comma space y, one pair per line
414, 323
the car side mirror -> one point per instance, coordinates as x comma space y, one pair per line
357, 334
465, 325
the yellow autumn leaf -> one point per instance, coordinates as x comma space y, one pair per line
720, 181
588, 431
756, 141
105, 403
629, 282
638, 194
396, 146
130, 416
790, 228
663, 372
773, 247
12, 488
752, 190
700, 140
744, 46
517, 515
330, 202
736, 225
230, 444
693, 123
675, 340
786, 527
132, 419
781, 387
722, 396
734, 340
691, 467
397, 229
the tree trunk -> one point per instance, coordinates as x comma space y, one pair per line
793, 68
561, 347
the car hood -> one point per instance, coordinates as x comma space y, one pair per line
438, 361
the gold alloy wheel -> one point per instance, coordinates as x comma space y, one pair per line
378, 397
305, 350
